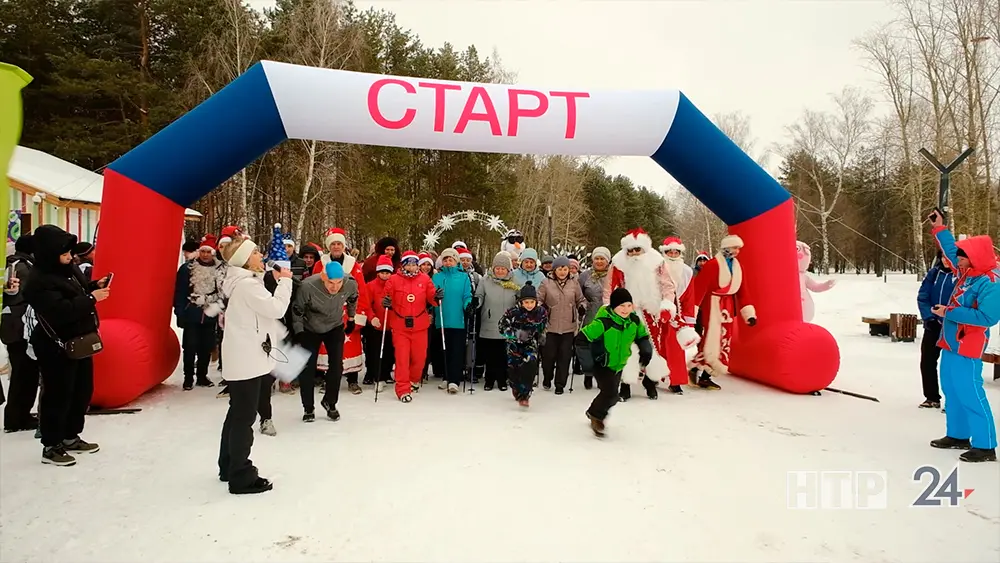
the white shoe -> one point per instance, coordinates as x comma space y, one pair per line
443, 384
380, 386
267, 428
452, 388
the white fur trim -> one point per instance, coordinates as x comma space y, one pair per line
641, 278
225, 240
657, 369
349, 263
360, 319
213, 309
748, 312
426, 260
384, 268
631, 241
672, 246
334, 237
458, 244
465, 254
668, 306
288, 242
242, 254
731, 241
687, 337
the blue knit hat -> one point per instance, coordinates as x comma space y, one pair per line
334, 270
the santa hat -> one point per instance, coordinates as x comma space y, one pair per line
425, 258
463, 252
208, 242
702, 255
459, 244
637, 238
229, 234
731, 241
385, 264
408, 255
672, 243
335, 235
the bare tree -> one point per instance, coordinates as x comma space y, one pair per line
833, 141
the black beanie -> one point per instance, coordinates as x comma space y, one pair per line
83, 249
619, 296
527, 292
961, 254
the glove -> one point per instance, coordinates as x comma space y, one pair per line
469, 309
387, 302
475, 303
929, 324
180, 321
752, 321
645, 351
439, 294
599, 352
581, 312
349, 328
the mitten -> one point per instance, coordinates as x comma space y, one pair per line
349, 327
687, 337
387, 302
439, 294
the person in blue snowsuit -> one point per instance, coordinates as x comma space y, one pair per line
973, 308
934, 290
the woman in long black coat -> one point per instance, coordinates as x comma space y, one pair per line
64, 303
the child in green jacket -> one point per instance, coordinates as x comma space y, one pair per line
611, 335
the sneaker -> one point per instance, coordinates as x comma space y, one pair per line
285, 388
407, 398
624, 392
267, 428
676, 389
488, 387
205, 382
223, 393
502, 386
354, 388
309, 416
331, 411
930, 405
693, 376
260, 485
948, 443
414, 387
56, 455
705, 382
452, 388
188, 385
443, 385
559, 391
547, 386
523, 403
596, 426
976, 455
77, 445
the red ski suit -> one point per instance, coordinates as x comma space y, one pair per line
411, 297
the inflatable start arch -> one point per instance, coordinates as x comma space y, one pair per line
147, 190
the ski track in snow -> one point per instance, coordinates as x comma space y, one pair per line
700, 477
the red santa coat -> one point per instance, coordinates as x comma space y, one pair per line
719, 292
354, 357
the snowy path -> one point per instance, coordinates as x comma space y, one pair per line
700, 477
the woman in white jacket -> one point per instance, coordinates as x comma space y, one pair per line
252, 328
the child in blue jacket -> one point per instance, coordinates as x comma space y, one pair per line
934, 290
973, 308
456, 287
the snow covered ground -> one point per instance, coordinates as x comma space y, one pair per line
700, 477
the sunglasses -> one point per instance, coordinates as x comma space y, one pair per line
634, 251
515, 239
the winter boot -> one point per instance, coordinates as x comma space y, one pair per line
76, 445
260, 485
588, 382
596, 426
976, 455
309, 416
650, 386
354, 388
547, 385
331, 411
502, 385
188, 383
267, 428
624, 392
56, 455
948, 443
693, 376
204, 381
676, 389
705, 382
452, 388
559, 391
488, 386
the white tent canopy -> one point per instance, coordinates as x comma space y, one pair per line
60, 178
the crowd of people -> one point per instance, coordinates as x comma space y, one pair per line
641, 315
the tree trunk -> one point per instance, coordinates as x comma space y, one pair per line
306, 186
825, 234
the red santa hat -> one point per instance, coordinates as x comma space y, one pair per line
463, 252
702, 255
385, 264
672, 243
208, 242
637, 238
333, 235
425, 258
408, 255
731, 241
229, 234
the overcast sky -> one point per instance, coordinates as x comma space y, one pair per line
767, 58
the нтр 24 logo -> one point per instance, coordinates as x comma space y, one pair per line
937, 490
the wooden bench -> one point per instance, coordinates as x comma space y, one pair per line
991, 358
877, 326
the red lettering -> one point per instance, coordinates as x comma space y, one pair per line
570, 109
489, 116
376, 113
439, 90
517, 112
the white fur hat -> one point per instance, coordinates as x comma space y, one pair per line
731, 241
637, 238
672, 243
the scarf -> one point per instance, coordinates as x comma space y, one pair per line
505, 283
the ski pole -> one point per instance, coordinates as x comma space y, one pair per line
444, 346
381, 349
472, 342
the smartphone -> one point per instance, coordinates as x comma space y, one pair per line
111, 277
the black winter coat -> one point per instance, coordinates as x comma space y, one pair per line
59, 293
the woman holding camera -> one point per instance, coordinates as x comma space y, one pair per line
252, 328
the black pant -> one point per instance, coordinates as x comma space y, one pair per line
264, 401
69, 385
522, 378
198, 341
435, 354
608, 382
373, 365
557, 357
455, 352
929, 354
23, 387
334, 341
492, 352
237, 433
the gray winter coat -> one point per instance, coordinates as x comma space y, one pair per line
494, 300
593, 290
316, 310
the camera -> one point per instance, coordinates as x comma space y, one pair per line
408, 322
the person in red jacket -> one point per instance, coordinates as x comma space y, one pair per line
378, 357
409, 295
